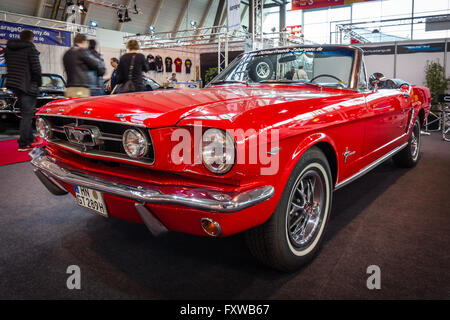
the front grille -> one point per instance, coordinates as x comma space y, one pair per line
110, 137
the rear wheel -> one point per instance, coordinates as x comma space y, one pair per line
292, 236
409, 156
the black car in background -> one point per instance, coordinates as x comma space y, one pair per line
149, 83
53, 87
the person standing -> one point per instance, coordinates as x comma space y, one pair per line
113, 80
131, 67
96, 77
173, 78
77, 63
300, 74
290, 74
24, 78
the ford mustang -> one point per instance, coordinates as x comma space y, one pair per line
256, 151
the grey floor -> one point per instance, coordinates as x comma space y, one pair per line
395, 218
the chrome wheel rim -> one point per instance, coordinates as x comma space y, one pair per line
305, 209
415, 140
262, 70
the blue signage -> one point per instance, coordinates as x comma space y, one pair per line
2, 55
9, 30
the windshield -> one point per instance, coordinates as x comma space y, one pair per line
323, 66
51, 81
152, 83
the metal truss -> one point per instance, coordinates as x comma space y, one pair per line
47, 23
346, 31
214, 38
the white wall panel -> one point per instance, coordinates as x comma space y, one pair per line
380, 63
411, 67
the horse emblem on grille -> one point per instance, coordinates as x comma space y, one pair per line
87, 136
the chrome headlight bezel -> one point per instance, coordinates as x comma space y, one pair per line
217, 140
43, 128
3, 104
142, 142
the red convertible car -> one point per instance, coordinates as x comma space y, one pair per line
258, 150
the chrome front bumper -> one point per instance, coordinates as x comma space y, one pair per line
203, 199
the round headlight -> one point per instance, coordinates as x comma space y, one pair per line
43, 128
3, 104
217, 151
135, 143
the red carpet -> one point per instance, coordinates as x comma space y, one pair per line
9, 153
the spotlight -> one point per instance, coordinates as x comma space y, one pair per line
151, 28
82, 6
93, 23
120, 16
193, 23
126, 17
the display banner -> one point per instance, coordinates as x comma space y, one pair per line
426, 47
234, 14
9, 30
314, 4
2, 55
380, 50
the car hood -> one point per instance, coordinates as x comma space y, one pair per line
168, 107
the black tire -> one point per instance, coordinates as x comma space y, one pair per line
409, 156
272, 243
261, 69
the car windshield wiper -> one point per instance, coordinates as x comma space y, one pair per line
229, 81
296, 82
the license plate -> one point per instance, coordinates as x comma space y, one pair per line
91, 199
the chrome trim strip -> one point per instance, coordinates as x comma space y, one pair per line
93, 119
203, 199
369, 167
102, 154
103, 135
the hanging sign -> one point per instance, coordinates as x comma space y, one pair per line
294, 30
234, 14
314, 4
9, 30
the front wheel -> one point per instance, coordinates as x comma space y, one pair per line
409, 156
292, 236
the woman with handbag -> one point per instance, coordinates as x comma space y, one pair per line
130, 69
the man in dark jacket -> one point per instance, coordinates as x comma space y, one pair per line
77, 63
96, 78
24, 78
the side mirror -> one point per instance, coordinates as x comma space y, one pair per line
374, 81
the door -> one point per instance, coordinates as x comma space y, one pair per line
385, 122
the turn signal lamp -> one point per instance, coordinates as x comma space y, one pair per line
211, 227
